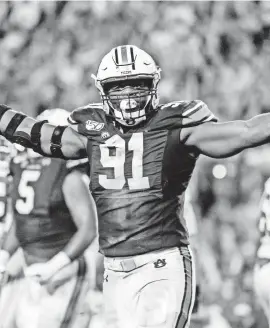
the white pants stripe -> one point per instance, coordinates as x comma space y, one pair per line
188, 298
70, 314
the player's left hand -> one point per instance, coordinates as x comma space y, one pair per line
41, 272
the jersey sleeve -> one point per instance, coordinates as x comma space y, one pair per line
87, 120
195, 113
83, 113
183, 114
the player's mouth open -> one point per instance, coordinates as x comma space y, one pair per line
128, 105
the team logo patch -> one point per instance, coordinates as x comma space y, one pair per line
160, 263
93, 125
105, 135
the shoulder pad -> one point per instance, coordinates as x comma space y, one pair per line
186, 113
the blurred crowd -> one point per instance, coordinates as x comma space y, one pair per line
215, 51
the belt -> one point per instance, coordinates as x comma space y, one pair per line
130, 263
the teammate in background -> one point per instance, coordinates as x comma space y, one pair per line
7, 151
262, 266
54, 223
142, 156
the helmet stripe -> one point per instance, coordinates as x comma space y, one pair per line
116, 57
132, 57
124, 55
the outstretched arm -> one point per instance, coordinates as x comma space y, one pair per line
220, 140
44, 138
83, 210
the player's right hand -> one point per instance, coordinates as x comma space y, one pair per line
42, 272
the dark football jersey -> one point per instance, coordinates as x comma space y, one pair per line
139, 176
43, 222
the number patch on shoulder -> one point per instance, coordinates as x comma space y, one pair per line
117, 162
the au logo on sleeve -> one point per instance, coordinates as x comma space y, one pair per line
93, 125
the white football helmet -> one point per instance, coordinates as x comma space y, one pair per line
127, 80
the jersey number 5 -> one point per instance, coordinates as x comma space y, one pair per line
117, 162
26, 203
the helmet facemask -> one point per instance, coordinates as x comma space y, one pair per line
129, 100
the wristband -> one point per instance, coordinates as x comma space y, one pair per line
59, 261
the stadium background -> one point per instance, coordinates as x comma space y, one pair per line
215, 51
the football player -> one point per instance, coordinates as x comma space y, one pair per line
142, 156
54, 223
7, 151
262, 267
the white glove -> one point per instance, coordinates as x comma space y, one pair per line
42, 272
